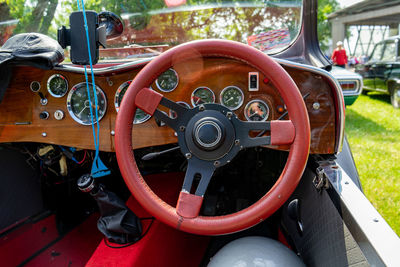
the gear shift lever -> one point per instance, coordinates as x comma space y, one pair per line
117, 222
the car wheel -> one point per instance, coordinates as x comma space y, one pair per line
364, 92
395, 97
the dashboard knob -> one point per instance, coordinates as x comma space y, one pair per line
44, 115
59, 114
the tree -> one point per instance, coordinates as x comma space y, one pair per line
324, 27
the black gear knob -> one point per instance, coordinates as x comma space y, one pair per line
86, 183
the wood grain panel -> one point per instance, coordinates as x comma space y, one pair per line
22, 105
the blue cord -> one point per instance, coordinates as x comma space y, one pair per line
98, 168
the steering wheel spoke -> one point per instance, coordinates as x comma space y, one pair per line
282, 133
189, 205
243, 129
148, 100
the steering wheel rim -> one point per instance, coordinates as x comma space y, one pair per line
274, 198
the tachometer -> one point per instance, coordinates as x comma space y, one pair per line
231, 97
256, 110
140, 115
57, 85
167, 81
78, 104
202, 95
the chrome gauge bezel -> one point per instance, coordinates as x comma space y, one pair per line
199, 88
182, 103
31, 86
176, 85
118, 92
116, 104
69, 108
252, 101
224, 90
48, 85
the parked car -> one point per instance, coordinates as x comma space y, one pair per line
211, 153
382, 71
350, 82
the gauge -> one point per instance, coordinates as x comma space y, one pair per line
78, 103
140, 115
256, 110
57, 85
167, 81
202, 95
172, 114
231, 97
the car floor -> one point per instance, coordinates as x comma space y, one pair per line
39, 244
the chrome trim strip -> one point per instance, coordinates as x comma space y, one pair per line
102, 71
339, 95
378, 242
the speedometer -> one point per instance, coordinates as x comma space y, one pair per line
140, 115
231, 97
202, 95
167, 81
78, 103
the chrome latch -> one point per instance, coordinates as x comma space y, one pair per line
321, 180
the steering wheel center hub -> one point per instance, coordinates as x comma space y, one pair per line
207, 134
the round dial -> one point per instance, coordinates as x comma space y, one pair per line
256, 110
167, 81
57, 85
140, 115
78, 104
202, 95
172, 114
231, 97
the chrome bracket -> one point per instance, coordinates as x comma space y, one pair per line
320, 180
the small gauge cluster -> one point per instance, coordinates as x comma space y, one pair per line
80, 109
231, 97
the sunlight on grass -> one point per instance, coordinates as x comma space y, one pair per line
373, 130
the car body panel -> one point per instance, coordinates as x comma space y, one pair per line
382, 71
350, 82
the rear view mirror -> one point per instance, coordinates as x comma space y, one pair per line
113, 24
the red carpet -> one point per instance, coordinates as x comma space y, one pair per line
74, 249
23, 242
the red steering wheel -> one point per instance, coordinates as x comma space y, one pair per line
210, 136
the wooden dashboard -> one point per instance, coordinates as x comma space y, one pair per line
21, 107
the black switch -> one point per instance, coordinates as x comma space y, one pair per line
44, 115
253, 81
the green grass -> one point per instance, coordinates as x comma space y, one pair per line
373, 130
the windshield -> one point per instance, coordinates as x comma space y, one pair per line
153, 26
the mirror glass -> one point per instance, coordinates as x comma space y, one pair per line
113, 24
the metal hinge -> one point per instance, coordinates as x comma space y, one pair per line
321, 180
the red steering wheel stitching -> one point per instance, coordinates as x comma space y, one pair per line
185, 216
